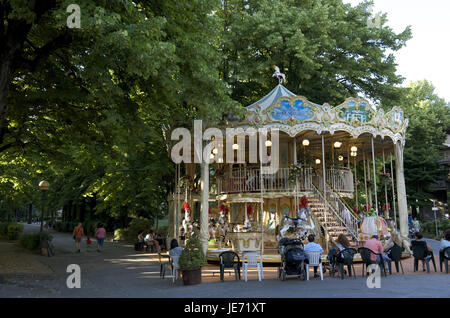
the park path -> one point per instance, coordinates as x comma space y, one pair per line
119, 271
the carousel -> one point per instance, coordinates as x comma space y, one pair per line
320, 151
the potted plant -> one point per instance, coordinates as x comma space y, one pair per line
192, 259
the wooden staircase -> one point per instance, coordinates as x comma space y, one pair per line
328, 220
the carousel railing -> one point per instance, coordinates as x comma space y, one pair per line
249, 180
340, 179
346, 220
342, 202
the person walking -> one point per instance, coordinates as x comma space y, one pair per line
78, 233
100, 234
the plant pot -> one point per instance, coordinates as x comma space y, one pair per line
44, 251
192, 276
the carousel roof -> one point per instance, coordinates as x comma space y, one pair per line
271, 98
281, 109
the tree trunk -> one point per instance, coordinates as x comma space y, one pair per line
413, 211
5, 76
30, 213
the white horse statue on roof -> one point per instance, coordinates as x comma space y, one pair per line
281, 77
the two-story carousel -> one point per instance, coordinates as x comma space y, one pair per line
320, 151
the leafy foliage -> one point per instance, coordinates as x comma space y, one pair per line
325, 48
429, 119
192, 256
14, 231
30, 241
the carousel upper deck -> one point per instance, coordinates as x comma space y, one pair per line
321, 153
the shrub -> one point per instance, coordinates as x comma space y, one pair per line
14, 231
4, 228
30, 241
136, 225
430, 227
119, 234
192, 256
60, 226
163, 230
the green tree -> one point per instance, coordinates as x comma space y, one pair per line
325, 48
429, 119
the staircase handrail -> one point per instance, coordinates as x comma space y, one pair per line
339, 198
335, 213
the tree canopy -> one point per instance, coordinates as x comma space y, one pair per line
91, 109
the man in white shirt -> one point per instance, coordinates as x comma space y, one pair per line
313, 247
444, 244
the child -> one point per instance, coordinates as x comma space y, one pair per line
88, 244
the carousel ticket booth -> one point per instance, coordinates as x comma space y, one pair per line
319, 151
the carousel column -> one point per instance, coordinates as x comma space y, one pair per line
369, 179
374, 178
386, 210
261, 176
365, 178
401, 190
393, 195
324, 187
204, 233
296, 179
356, 182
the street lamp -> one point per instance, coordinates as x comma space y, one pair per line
434, 208
43, 186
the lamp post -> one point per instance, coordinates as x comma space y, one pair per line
43, 186
435, 219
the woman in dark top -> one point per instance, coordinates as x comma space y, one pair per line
419, 242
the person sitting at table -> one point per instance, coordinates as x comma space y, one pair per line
158, 238
312, 247
444, 244
417, 242
140, 240
150, 240
377, 247
175, 250
394, 239
334, 257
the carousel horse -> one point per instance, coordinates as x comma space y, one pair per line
281, 77
187, 223
298, 225
212, 228
222, 225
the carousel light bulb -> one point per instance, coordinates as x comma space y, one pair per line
305, 142
211, 156
268, 143
353, 154
215, 151
354, 149
340, 158
235, 146
337, 144
317, 161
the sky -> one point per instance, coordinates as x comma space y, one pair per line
426, 55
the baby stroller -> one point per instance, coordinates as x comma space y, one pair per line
292, 259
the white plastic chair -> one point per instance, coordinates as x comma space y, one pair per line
175, 267
314, 260
252, 261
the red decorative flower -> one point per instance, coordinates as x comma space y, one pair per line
249, 209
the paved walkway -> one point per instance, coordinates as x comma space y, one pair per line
119, 271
